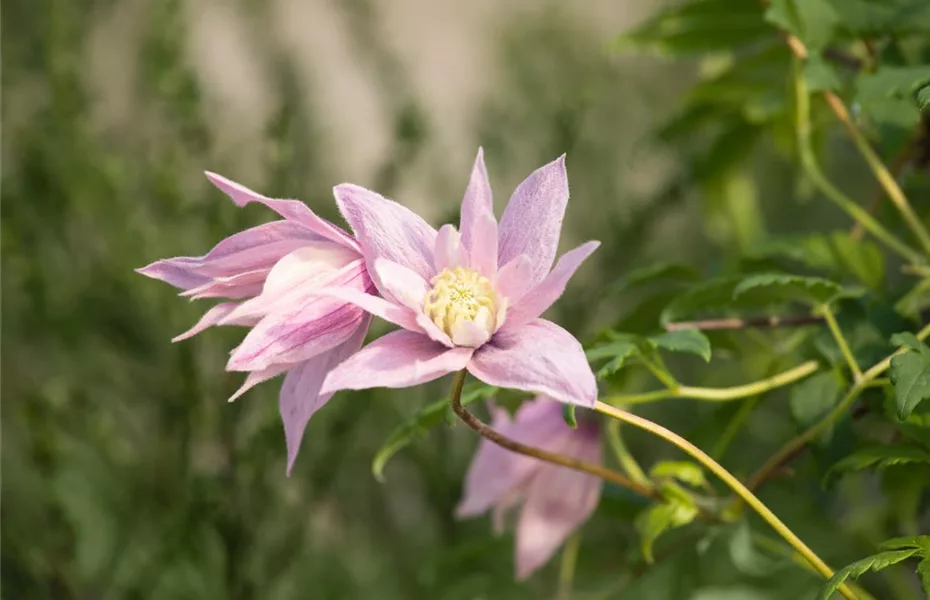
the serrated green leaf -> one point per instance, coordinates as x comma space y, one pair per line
619, 352
779, 286
876, 563
921, 542
685, 340
866, 17
838, 254
910, 374
664, 272
684, 471
907, 340
880, 457
659, 518
889, 95
814, 397
421, 423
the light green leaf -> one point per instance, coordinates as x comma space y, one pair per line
421, 423
815, 396
910, 374
912, 303
619, 352
820, 75
875, 563
907, 340
813, 21
922, 96
745, 556
837, 253
889, 95
686, 472
880, 457
923, 571
685, 340
867, 17
659, 518
779, 286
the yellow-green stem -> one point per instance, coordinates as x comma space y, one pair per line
627, 461
841, 341
720, 394
714, 467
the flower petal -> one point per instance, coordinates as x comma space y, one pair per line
292, 210
242, 285
515, 278
538, 357
532, 221
551, 288
300, 393
401, 284
211, 318
377, 306
256, 377
558, 501
397, 360
385, 229
449, 252
483, 248
477, 203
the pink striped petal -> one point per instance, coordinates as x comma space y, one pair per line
397, 360
300, 394
243, 285
449, 252
292, 210
387, 230
532, 221
256, 377
515, 278
551, 288
477, 202
211, 318
377, 306
538, 357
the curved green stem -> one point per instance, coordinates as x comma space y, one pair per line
714, 467
809, 162
627, 461
841, 341
720, 394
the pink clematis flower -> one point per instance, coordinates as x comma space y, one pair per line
273, 273
555, 500
470, 299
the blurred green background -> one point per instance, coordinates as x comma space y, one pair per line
125, 472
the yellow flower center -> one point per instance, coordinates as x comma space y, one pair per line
464, 305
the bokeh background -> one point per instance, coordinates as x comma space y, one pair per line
125, 472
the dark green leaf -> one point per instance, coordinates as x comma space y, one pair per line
820, 75
910, 374
685, 340
814, 397
889, 95
421, 423
686, 472
907, 340
837, 253
745, 556
710, 295
813, 21
659, 272
921, 542
866, 17
659, 518
881, 457
911, 304
876, 563
922, 96
923, 571
778, 286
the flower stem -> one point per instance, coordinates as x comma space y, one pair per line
493, 436
841, 341
629, 464
720, 394
734, 484
730, 323
567, 567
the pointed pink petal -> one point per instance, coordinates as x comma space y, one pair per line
402, 284
551, 288
313, 325
377, 306
532, 221
477, 202
433, 331
397, 360
557, 502
483, 249
209, 319
300, 394
515, 279
292, 210
449, 252
538, 357
385, 229
256, 377
243, 285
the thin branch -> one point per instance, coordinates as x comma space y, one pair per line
747, 323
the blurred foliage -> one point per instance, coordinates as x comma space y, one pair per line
127, 475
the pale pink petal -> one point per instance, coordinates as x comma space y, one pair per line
209, 319
300, 393
538, 357
377, 306
401, 284
477, 202
532, 221
558, 501
551, 288
292, 210
256, 377
385, 229
449, 252
433, 331
515, 279
482, 251
314, 325
243, 285
397, 360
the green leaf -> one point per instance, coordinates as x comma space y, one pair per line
665, 272
889, 95
907, 340
875, 563
778, 286
421, 423
837, 253
820, 75
813, 21
880, 457
922, 96
912, 303
921, 542
814, 397
685, 340
659, 518
867, 17
696, 27
684, 471
568, 414
619, 352
710, 295
923, 571
910, 374
745, 556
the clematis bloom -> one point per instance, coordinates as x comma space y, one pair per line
468, 299
555, 500
272, 276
